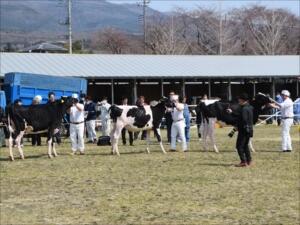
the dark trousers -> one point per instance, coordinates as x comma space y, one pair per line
198, 130
242, 147
124, 137
36, 139
169, 126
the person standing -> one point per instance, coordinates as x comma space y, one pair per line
287, 116
105, 117
278, 99
51, 101
178, 124
36, 138
297, 111
140, 102
245, 130
198, 119
168, 117
125, 102
90, 121
77, 126
187, 120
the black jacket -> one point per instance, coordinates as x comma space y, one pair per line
245, 121
91, 111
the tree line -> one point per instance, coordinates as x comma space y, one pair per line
254, 30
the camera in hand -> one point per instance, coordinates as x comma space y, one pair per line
232, 132
74, 100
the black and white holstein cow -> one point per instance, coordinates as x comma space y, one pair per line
217, 110
134, 119
36, 119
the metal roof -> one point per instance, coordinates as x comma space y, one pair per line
150, 66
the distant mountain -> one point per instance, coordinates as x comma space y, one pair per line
87, 16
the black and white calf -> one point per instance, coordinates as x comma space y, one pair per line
36, 119
217, 110
134, 119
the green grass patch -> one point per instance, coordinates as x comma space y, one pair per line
197, 187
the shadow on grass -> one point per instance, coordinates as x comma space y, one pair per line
26, 157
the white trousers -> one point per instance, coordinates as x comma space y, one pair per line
285, 134
105, 128
90, 127
177, 130
76, 136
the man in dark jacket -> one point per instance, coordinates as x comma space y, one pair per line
90, 121
169, 120
245, 130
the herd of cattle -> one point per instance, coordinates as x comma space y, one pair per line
20, 120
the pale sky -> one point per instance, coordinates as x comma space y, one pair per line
168, 5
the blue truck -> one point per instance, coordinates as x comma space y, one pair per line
2, 100
25, 86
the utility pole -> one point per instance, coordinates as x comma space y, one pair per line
220, 29
144, 23
70, 25
144, 5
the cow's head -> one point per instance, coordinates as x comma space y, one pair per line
261, 100
65, 101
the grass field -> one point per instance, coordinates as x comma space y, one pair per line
136, 188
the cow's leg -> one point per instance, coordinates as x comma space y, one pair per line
18, 142
10, 145
53, 149
251, 145
204, 134
211, 133
116, 135
50, 147
112, 140
158, 136
148, 141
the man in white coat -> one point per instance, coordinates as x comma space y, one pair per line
287, 117
178, 124
105, 117
77, 126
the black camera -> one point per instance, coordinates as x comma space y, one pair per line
231, 133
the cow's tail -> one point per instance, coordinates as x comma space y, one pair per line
10, 129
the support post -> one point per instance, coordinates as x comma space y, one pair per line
112, 92
254, 89
134, 91
229, 90
297, 87
273, 88
209, 88
162, 87
183, 87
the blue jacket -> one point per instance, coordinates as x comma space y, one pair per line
186, 114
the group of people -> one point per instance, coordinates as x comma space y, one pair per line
83, 114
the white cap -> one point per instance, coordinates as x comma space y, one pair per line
286, 93
37, 98
74, 95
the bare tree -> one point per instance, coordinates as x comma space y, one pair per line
111, 40
163, 37
267, 29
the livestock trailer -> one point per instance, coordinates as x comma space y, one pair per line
2, 100
25, 86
